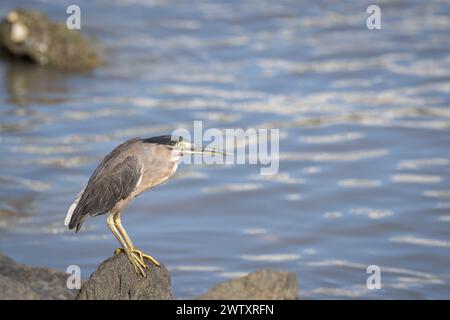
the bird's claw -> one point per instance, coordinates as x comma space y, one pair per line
138, 265
136, 258
143, 256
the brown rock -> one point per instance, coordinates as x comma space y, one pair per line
260, 285
116, 279
32, 35
18, 281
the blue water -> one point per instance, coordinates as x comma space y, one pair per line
364, 119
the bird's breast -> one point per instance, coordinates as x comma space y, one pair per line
151, 178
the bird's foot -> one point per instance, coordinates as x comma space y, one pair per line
119, 250
143, 256
139, 256
135, 259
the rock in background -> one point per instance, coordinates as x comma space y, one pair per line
260, 285
31, 35
116, 279
23, 282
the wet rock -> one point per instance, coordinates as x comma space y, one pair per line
18, 281
116, 279
260, 285
31, 35
11, 290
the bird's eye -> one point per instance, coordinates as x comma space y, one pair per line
179, 145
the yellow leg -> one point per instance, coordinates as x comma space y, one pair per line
123, 233
134, 259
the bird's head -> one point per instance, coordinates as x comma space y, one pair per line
181, 146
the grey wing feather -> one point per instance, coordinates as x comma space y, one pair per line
111, 182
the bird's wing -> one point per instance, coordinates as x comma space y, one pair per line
111, 182
72, 208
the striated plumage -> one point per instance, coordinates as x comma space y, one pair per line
129, 170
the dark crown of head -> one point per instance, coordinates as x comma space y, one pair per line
165, 140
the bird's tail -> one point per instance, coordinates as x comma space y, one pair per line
74, 218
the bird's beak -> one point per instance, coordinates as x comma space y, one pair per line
200, 150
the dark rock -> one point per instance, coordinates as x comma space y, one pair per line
31, 35
260, 285
5, 260
18, 281
12, 290
116, 279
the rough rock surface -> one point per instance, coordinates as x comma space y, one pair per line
260, 285
116, 279
19, 281
32, 35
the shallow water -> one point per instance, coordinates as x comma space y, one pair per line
365, 133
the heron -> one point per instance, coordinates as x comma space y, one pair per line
130, 169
